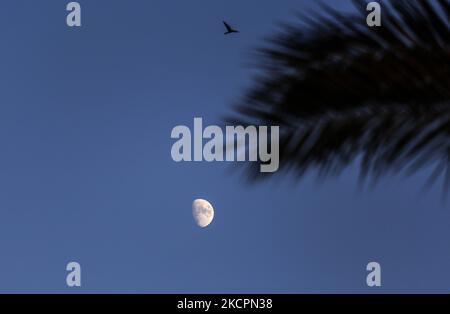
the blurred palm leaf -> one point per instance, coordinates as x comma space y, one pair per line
343, 92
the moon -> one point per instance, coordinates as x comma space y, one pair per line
203, 212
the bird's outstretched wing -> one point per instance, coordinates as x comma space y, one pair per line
227, 26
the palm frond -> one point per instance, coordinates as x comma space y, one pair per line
342, 91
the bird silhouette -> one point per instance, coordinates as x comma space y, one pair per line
230, 30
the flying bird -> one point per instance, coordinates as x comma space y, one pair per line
230, 30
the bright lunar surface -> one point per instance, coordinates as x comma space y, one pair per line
203, 212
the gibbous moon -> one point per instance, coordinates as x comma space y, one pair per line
203, 212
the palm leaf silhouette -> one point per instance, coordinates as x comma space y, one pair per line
343, 92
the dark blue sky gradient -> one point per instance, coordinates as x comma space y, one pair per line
86, 173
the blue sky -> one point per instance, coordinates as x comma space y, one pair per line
86, 172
